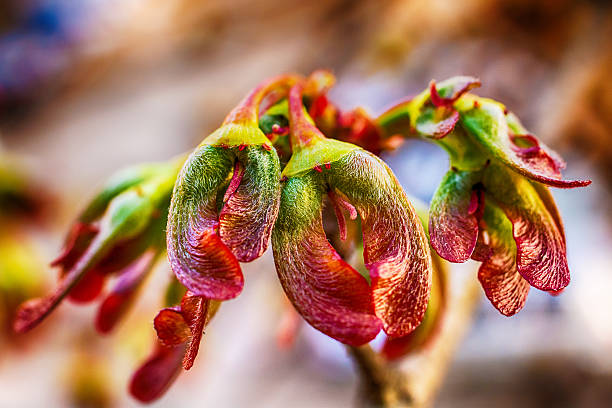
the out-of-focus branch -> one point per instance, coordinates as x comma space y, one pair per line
380, 385
415, 381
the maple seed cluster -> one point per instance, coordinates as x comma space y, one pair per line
286, 167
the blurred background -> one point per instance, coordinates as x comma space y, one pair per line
89, 86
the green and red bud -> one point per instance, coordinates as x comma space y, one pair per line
331, 295
225, 201
435, 112
432, 113
501, 135
122, 222
465, 219
496, 168
455, 207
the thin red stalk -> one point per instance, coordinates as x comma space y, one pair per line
247, 110
303, 133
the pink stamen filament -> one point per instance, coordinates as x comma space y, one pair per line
341, 220
346, 205
339, 203
235, 182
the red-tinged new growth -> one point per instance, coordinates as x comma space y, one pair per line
185, 324
119, 233
157, 374
331, 295
221, 206
497, 167
455, 208
499, 276
225, 201
359, 128
353, 126
179, 332
427, 332
122, 295
501, 135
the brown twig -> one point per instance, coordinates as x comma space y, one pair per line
415, 381
380, 386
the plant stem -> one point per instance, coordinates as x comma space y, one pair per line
396, 113
303, 132
380, 386
247, 110
414, 381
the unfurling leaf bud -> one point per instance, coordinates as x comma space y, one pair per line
225, 202
114, 231
326, 291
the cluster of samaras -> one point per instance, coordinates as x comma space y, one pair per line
280, 160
